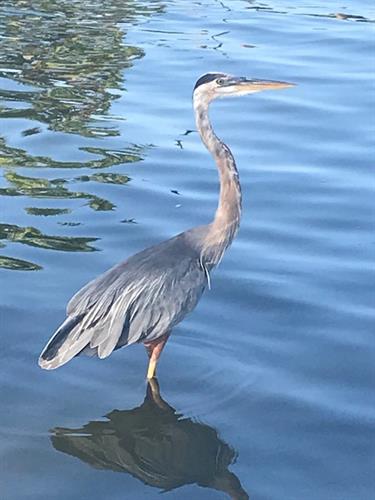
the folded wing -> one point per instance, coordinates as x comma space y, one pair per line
141, 298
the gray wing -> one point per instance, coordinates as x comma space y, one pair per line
141, 298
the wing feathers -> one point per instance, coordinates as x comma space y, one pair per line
141, 298
59, 351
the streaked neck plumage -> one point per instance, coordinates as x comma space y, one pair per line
224, 227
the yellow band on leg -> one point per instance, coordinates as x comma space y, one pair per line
151, 369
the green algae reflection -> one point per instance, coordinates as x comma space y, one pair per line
47, 212
35, 238
17, 264
63, 63
34, 187
105, 158
73, 55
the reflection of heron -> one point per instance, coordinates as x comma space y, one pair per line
143, 298
156, 445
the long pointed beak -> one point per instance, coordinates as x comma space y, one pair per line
255, 85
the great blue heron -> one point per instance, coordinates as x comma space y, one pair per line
152, 442
144, 297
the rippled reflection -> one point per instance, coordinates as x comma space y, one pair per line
17, 264
35, 238
73, 54
156, 445
61, 68
18, 157
35, 187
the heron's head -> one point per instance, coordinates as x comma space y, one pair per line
214, 85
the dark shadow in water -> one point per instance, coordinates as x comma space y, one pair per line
156, 445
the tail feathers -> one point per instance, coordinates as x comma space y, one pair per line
67, 342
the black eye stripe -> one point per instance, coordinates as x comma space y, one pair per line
209, 77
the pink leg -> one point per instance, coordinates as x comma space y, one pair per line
154, 349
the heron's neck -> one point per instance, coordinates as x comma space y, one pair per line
223, 228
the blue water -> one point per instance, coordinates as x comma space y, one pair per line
271, 378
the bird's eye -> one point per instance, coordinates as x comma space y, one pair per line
220, 81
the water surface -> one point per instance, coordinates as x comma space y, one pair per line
267, 388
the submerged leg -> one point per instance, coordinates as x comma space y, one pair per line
153, 394
154, 349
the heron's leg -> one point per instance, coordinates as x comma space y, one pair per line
154, 349
153, 394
